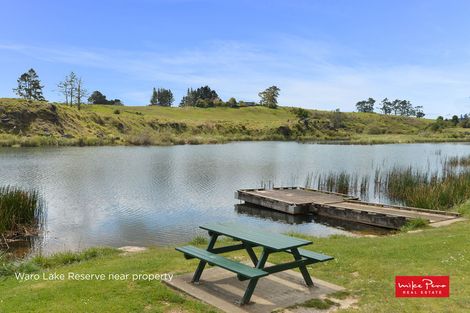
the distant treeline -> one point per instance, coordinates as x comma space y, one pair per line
396, 107
74, 92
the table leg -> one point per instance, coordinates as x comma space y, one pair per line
202, 264
251, 253
252, 284
302, 268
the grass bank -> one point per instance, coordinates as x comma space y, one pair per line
366, 266
43, 124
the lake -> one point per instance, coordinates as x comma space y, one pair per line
145, 196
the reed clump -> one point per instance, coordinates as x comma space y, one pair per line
456, 161
19, 208
436, 191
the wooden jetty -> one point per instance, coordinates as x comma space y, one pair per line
300, 201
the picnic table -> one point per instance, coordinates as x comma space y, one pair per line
250, 238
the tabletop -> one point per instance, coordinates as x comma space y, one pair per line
272, 241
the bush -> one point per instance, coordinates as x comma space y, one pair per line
375, 130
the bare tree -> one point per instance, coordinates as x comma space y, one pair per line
72, 82
72, 88
64, 90
81, 92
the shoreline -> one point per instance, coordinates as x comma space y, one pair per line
367, 274
30, 142
51, 124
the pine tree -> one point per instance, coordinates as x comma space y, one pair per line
29, 86
154, 98
164, 97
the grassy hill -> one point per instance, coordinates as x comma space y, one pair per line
39, 123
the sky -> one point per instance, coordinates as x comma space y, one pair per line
321, 54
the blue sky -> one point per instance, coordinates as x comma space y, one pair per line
322, 54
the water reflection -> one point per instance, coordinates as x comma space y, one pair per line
276, 216
273, 215
160, 195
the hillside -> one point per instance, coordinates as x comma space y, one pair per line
39, 123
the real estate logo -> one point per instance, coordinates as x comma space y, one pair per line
421, 286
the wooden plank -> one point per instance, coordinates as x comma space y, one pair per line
407, 208
276, 242
393, 211
214, 259
296, 196
315, 255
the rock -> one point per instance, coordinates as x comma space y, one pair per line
132, 249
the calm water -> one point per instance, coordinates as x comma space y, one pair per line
144, 196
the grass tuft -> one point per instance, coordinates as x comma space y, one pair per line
37, 263
320, 304
415, 223
199, 240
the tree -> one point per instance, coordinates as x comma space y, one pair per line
208, 97
386, 107
201, 103
29, 86
366, 106
81, 92
189, 99
64, 89
162, 97
232, 102
419, 111
154, 98
269, 97
166, 97
97, 97
72, 89
68, 87
337, 119
455, 120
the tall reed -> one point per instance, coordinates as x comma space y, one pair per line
458, 161
435, 191
19, 207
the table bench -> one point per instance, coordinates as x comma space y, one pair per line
249, 238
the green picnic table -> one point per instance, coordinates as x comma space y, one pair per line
250, 238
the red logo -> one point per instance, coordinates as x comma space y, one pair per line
421, 286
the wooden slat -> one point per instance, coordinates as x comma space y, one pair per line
296, 196
276, 242
315, 255
211, 258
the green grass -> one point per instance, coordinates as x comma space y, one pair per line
320, 304
45, 124
19, 208
365, 266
